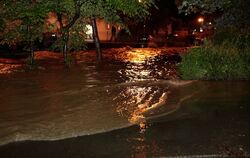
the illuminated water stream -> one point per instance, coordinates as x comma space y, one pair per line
54, 103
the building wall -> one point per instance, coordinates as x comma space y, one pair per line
103, 28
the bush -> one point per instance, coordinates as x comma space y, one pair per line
214, 62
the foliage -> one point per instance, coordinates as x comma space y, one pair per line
22, 13
23, 20
236, 16
203, 6
77, 35
239, 37
227, 55
225, 61
76, 40
235, 13
111, 10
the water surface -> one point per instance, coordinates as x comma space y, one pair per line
133, 87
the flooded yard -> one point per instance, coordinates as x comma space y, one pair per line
131, 105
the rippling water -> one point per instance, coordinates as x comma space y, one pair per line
135, 87
54, 103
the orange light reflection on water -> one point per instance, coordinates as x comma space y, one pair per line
139, 55
138, 101
9, 68
138, 67
135, 73
135, 102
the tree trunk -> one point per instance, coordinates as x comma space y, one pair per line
31, 53
31, 43
96, 40
65, 29
65, 38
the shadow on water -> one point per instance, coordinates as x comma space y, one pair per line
82, 112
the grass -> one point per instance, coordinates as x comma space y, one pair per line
216, 62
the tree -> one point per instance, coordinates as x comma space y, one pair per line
112, 10
232, 25
69, 12
23, 21
234, 12
202, 6
25, 18
227, 55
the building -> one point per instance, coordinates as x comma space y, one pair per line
104, 29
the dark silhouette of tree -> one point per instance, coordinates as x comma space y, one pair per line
25, 18
22, 21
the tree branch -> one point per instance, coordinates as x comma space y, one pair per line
76, 15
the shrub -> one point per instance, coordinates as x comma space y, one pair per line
225, 61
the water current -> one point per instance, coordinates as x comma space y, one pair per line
86, 99
135, 87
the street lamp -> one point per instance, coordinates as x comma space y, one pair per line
201, 20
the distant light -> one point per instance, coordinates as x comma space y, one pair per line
200, 19
89, 30
201, 30
176, 35
139, 1
108, 26
210, 23
53, 35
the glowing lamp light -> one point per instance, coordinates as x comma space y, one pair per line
200, 20
119, 28
108, 26
89, 30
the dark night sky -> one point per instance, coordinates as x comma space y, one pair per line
160, 16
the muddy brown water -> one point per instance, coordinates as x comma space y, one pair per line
131, 108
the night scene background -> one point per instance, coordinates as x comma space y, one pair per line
124, 78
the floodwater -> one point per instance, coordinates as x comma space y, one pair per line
132, 105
